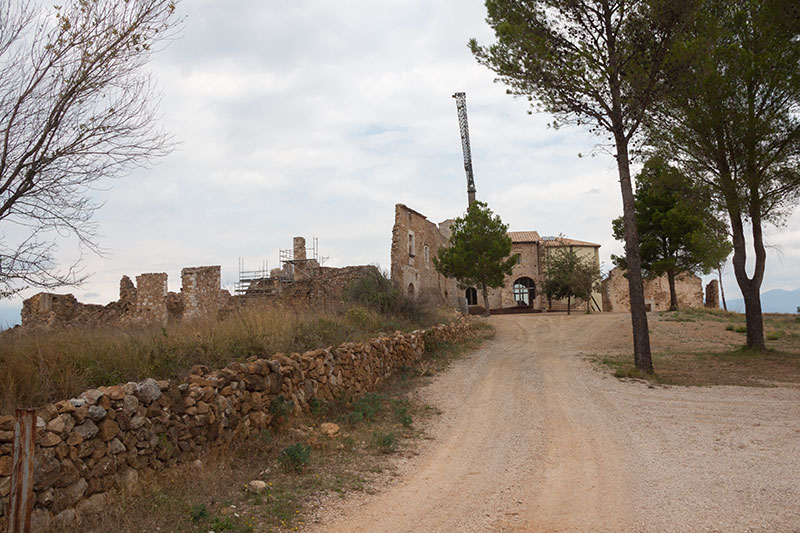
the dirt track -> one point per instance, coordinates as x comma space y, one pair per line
534, 438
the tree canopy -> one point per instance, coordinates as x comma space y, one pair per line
595, 63
678, 229
76, 106
568, 275
479, 251
730, 120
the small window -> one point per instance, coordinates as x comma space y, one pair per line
411, 247
427, 254
519, 259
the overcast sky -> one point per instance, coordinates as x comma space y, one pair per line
313, 118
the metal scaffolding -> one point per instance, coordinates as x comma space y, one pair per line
261, 282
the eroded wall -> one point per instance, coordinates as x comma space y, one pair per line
415, 241
146, 302
688, 288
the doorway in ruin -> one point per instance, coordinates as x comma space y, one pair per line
472, 296
411, 290
524, 291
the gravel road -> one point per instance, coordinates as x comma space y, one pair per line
533, 437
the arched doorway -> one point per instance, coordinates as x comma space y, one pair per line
411, 290
524, 291
472, 296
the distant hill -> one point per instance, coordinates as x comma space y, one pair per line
774, 301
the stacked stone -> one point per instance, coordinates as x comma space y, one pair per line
151, 293
712, 294
200, 291
90, 448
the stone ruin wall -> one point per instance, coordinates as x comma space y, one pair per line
151, 298
326, 286
412, 268
93, 448
712, 294
146, 302
689, 289
200, 292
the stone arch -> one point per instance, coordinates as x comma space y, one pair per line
524, 291
411, 290
472, 296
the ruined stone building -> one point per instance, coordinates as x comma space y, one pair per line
415, 240
688, 289
300, 281
147, 302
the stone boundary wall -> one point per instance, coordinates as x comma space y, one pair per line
91, 448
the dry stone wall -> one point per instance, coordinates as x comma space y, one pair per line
91, 448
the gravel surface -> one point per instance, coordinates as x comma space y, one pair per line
533, 437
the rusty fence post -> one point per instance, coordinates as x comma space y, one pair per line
19, 516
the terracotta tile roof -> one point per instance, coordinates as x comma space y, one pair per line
563, 241
524, 236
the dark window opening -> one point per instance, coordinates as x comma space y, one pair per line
524, 291
472, 296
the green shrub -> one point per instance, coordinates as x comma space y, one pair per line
730, 327
376, 291
318, 407
741, 329
198, 512
280, 409
387, 442
295, 456
401, 414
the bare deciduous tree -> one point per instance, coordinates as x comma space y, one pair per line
76, 106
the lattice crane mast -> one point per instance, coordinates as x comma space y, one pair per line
463, 125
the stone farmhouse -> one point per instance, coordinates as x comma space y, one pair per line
415, 240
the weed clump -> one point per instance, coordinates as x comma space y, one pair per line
280, 409
365, 408
198, 512
295, 456
385, 441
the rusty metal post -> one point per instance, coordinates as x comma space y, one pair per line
19, 516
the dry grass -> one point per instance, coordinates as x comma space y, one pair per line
375, 430
728, 362
37, 367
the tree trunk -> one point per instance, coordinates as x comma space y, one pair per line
569, 304
485, 293
673, 297
750, 287
721, 289
641, 334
